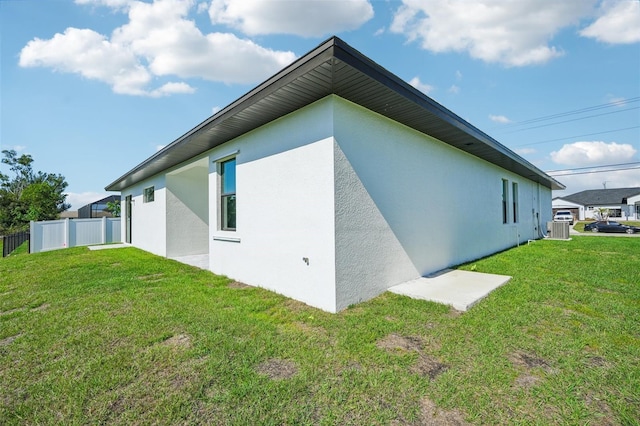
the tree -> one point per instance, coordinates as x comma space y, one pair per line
29, 195
113, 207
601, 213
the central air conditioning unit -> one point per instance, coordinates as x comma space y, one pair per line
558, 230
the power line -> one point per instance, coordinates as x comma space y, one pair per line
578, 136
607, 168
573, 119
596, 171
572, 112
594, 167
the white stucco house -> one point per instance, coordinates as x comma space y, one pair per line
332, 181
622, 203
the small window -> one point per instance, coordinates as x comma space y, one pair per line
514, 195
505, 201
148, 195
228, 194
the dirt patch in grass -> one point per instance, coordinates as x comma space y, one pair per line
8, 340
428, 366
431, 415
530, 362
526, 381
151, 278
597, 361
238, 284
277, 369
310, 330
454, 313
11, 311
42, 307
607, 416
178, 341
396, 342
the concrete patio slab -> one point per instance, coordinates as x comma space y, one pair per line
460, 289
198, 260
108, 246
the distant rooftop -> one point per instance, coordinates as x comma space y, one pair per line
599, 197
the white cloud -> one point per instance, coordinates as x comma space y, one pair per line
499, 119
593, 153
159, 147
458, 75
215, 109
158, 41
619, 23
310, 18
423, 87
81, 199
115, 4
525, 151
514, 33
454, 89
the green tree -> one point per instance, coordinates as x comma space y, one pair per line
29, 195
113, 207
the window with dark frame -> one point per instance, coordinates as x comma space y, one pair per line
228, 194
505, 201
148, 195
514, 195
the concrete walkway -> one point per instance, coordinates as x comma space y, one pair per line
198, 260
109, 246
460, 289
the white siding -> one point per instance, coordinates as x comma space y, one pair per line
284, 188
148, 220
408, 205
188, 210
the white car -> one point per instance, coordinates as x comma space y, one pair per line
563, 216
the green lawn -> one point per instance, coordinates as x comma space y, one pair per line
125, 337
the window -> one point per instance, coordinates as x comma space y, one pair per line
514, 195
505, 201
228, 194
148, 195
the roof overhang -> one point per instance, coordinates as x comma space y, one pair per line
336, 68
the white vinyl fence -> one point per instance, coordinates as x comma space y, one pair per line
58, 234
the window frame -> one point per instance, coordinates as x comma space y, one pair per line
225, 196
149, 194
514, 202
505, 201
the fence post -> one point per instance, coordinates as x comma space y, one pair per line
104, 229
32, 233
67, 233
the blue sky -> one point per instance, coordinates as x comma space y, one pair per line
91, 88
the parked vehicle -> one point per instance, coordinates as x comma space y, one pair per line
610, 226
563, 216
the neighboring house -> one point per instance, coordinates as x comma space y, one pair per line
97, 208
622, 203
332, 181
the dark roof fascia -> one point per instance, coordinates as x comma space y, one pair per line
338, 49
357, 60
297, 68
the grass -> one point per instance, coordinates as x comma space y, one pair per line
122, 336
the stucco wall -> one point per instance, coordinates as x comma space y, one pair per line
188, 210
148, 220
408, 205
284, 189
